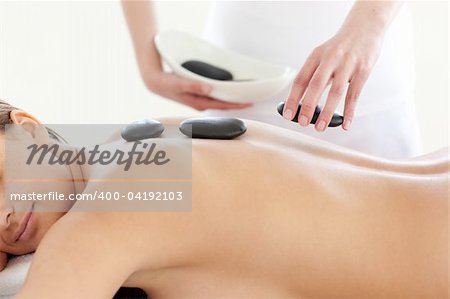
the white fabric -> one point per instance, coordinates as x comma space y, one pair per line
13, 276
286, 32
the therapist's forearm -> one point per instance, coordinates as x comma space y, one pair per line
140, 17
372, 16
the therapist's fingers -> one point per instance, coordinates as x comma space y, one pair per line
337, 90
354, 90
202, 103
317, 85
195, 87
196, 95
299, 86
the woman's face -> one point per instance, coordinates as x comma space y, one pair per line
21, 232
21, 228
23, 224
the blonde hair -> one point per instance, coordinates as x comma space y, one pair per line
5, 111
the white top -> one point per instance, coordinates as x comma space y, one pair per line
286, 33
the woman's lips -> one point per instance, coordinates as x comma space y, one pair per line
26, 227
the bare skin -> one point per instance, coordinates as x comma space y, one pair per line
140, 18
340, 225
345, 61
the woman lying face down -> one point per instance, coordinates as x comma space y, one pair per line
275, 214
17, 236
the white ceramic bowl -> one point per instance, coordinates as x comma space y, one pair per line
177, 47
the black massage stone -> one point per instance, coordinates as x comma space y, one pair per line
142, 129
336, 120
207, 70
213, 127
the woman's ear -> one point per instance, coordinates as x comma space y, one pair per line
3, 260
29, 123
20, 117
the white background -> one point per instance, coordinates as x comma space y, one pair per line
72, 62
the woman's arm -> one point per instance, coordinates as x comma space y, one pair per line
140, 17
80, 257
345, 61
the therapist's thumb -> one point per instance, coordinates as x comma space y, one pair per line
196, 87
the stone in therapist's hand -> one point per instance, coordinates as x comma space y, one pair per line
207, 70
213, 127
336, 120
142, 129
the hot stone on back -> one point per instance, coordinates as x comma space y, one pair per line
142, 129
213, 127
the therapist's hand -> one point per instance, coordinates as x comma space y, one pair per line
140, 17
188, 92
345, 61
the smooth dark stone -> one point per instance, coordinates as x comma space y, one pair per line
207, 70
336, 120
142, 129
130, 293
213, 127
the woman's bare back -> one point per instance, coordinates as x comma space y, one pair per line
276, 214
